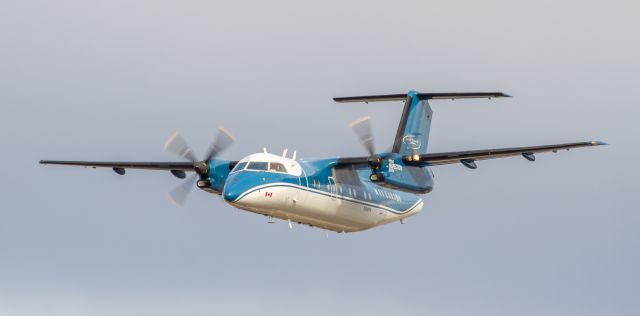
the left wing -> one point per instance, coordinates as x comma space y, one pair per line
210, 173
176, 168
468, 158
182, 166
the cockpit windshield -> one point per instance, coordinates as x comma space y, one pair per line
264, 162
239, 166
260, 166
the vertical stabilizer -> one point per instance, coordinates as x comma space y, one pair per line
413, 131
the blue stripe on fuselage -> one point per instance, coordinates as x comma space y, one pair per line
315, 179
320, 192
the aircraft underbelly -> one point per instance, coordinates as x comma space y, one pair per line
312, 207
341, 212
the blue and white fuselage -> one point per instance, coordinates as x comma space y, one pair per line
339, 194
315, 193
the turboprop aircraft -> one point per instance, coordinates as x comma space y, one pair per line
341, 194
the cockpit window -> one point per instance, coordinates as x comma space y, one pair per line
277, 167
240, 166
257, 165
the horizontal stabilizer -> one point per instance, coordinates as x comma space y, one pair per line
423, 96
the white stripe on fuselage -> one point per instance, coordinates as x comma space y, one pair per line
319, 208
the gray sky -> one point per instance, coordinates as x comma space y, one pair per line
111, 80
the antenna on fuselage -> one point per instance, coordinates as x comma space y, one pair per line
264, 149
294, 155
284, 153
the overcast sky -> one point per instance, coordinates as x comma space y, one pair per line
111, 80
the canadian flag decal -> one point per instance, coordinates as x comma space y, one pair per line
268, 194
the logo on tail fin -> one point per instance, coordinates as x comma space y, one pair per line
412, 142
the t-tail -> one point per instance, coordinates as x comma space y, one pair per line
413, 131
412, 136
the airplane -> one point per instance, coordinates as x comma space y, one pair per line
340, 194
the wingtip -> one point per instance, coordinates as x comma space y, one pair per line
507, 95
598, 143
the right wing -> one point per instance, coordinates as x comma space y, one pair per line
467, 158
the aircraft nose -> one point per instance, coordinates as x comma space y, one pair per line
239, 184
230, 195
232, 189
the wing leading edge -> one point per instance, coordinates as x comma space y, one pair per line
467, 158
182, 166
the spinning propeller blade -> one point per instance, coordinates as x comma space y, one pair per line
223, 140
179, 194
362, 128
177, 145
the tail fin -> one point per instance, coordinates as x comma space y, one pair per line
412, 137
413, 131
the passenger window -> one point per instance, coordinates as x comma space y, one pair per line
257, 165
277, 167
239, 167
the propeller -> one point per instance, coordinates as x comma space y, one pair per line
179, 146
362, 128
179, 194
223, 140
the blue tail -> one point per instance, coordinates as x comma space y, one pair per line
413, 131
